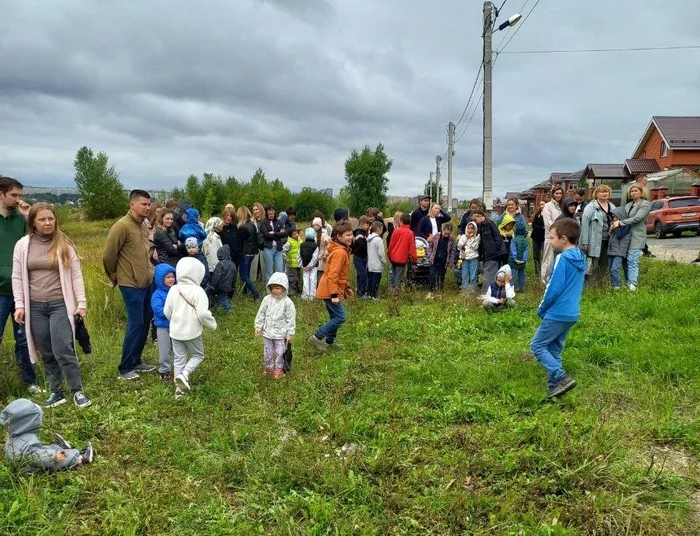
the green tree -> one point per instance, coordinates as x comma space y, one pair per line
367, 183
280, 195
193, 191
431, 190
98, 183
583, 183
177, 193
399, 206
258, 190
309, 201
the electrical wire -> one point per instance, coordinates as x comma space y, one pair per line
587, 50
476, 107
471, 94
516, 30
508, 32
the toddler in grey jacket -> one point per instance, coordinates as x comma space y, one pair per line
276, 322
22, 419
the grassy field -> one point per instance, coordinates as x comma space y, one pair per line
433, 420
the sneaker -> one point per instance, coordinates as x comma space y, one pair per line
81, 400
317, 343
179, 394
566, 384
632, 288
166, 376
131, 375
56, 399
34, 389
267, 372
617, 288
278, 373
88, 454
62, 442
182, 383
143, 367
335, 345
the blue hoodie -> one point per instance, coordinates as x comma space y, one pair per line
192, 227
562, 297
161, 292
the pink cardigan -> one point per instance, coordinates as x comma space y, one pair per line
71, 284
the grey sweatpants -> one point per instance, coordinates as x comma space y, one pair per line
273, 352
397, 273
491, 307
195, 347
53, 335
165, 349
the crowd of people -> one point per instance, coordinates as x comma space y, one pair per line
172, 271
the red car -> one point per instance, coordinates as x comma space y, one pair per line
674, 215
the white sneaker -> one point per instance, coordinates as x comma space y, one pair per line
182, 383
632, 288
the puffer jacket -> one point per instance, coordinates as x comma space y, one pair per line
276, 318
192, 227
212, 243
224, 273
160, 295
334, 282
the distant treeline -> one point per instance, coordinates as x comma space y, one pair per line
54, 199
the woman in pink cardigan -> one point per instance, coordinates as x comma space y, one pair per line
48, 288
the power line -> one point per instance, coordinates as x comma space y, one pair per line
586, 50
517, 29
471, 94
509, 31
476, 107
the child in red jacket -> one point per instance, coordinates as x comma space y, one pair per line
401, 249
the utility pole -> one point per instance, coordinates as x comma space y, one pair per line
438, 159
450, 154
488, 67
430, 186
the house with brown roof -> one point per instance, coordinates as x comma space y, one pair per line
671, 141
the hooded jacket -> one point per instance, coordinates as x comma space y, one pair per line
334, 282
562, 297
506, 219
469, 247
212, 243
565, 209
376, 259
187, 305
12, 229
495, 292
308, 253
492, 246
403, 246
277, 316
22, 419
620, 238
179, 211
192, 227
159, 296
519, 247
225, 273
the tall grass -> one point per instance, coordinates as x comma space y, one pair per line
433, 420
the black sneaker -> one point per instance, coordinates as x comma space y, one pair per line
88, 454
56, 399
81, 400
143, 367
128, 376
566, 384
62, 442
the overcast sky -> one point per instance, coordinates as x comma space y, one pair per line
169, 88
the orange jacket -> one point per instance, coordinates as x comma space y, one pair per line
334, 281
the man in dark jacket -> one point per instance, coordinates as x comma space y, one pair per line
491, 246
420, 212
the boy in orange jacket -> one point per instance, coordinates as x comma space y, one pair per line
334, 287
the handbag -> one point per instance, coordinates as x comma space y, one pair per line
82, 335
287, 358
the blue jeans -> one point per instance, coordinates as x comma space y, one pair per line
470, 268
329, 330
615, 265
547, 345
138, 315
633, 256
361, 268
246, 262
273, 262
519, 275
373, 280
26, 368
224, 301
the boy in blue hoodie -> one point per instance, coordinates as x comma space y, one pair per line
164, 278
560, 307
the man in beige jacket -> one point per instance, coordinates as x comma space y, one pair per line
127, 263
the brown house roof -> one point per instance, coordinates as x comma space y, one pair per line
641, 165
679, 132
606, 171
558, 176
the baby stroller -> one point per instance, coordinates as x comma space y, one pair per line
418, 273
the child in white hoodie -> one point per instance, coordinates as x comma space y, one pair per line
276, 321
468, 245
187, 308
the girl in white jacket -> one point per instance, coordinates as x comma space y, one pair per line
276, 321
187, 308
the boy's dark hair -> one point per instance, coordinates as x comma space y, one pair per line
377, 227
291, 212
341, 227
171, 204
138, 194
293, 229
373, 212
405, 218
7, 183
568, 228
363, 220
479, 212
447, 227
581, 192
270, 206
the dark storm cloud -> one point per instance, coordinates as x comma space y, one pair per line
172, 88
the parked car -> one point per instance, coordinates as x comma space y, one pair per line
674, 215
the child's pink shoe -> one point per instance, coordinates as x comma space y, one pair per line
267, 372
278, 373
